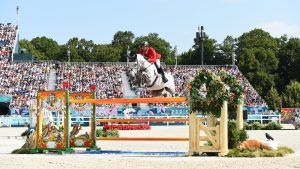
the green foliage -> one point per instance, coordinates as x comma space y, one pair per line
160, 45
30, 49
272, 126
254, 126
80, 50
273, 99
256, 56
234, 135
225, 51
193, 56
258, 126
123, 40
216, 93
186, 58
99, 133
107, 133
282, 151
106, 53
209, 50
112, 133
241, 153
46, 46
236, 92
291, 97
289, 57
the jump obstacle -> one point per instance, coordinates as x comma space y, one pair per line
198, 132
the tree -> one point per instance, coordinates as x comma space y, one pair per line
80, 49
256, 58
209, 47
106, 53
225, 51
47, 46
186, 58
273, 99
160, 45
123, 40
291, 96
289, 58
193, 56
72, 45
25, 44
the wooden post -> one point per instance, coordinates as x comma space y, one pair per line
224, 130
239, 116
211, 120
193, 134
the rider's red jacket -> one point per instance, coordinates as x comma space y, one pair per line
150, 53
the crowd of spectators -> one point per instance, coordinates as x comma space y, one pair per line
7, 38
106, 78
20, 81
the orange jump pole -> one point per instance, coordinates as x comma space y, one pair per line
143, 138
132, 100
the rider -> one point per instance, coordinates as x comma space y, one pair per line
153, 57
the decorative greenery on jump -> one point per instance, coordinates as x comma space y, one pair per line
209, 90
207, 93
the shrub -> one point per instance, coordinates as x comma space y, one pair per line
282, 151
107, 133
255, 126
234, 135
112, 133
272, 126
258, 126
100, 133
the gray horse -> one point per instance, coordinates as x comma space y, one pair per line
147, 73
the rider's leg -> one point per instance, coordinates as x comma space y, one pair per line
157, 68
160, 69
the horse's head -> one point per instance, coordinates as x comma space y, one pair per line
132, 58
139, 71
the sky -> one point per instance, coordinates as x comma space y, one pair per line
176, 21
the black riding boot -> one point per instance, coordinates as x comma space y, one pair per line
164, 79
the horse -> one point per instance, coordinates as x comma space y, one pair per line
147, 72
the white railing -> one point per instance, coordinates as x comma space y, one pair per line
5, 121
261, 118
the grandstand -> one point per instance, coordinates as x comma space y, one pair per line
21, 80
